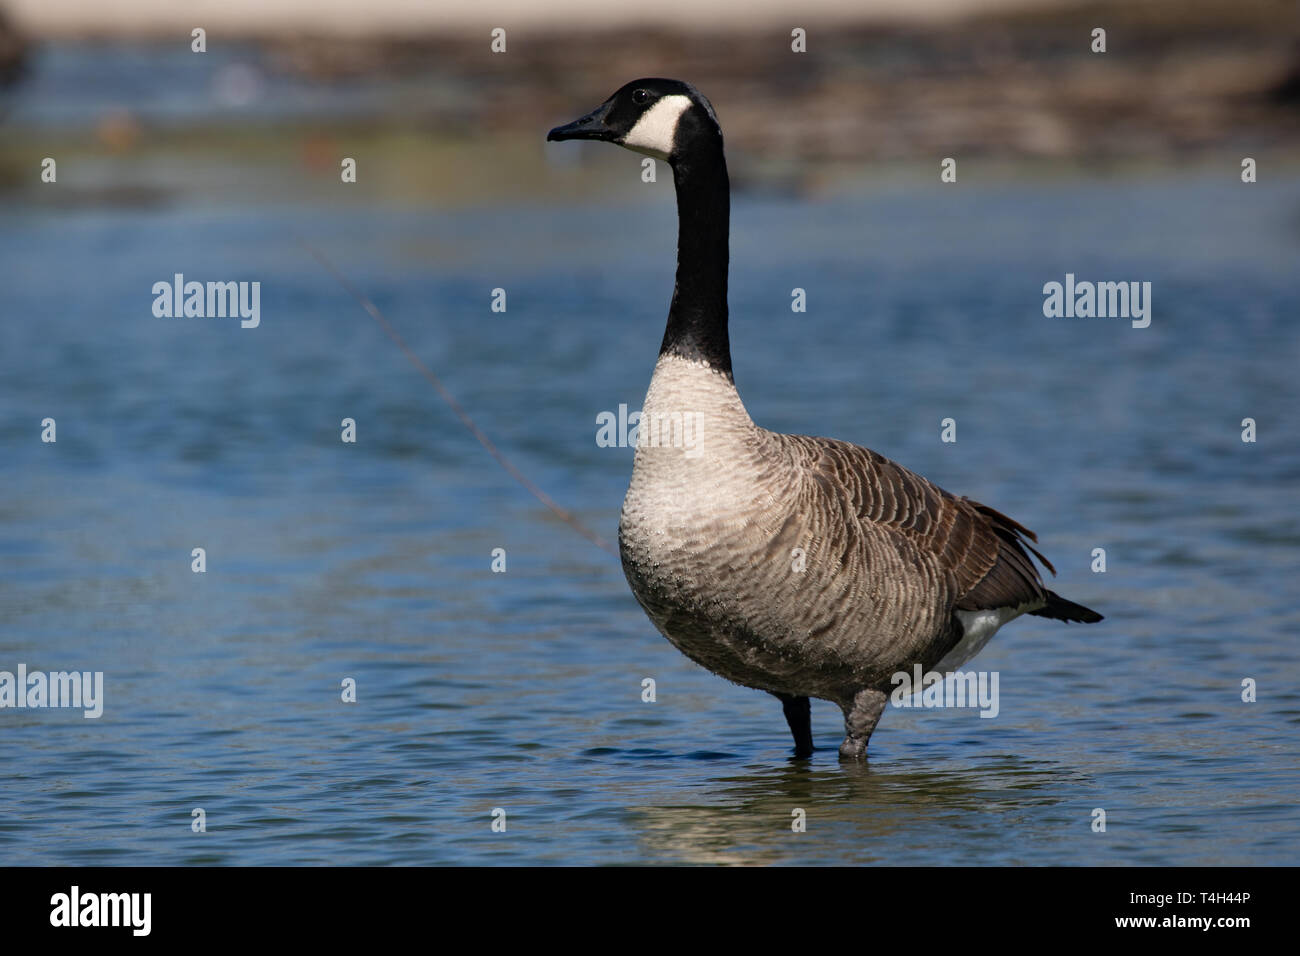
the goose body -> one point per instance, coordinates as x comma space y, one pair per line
801, 566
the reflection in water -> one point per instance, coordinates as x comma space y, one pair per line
855, 813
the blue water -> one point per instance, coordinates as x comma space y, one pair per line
522, 690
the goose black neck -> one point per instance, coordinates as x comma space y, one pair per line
697, 318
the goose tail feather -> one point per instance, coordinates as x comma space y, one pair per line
1059, 609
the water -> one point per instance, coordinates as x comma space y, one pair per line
522, 690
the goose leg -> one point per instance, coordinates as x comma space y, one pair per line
798, 714
860, 719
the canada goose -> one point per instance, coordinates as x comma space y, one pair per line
804, 567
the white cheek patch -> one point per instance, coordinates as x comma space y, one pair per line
656, 130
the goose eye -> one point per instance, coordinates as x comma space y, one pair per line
640, 97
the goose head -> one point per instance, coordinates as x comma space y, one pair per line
666, 119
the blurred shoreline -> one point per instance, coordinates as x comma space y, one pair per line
261, 19
1190, 83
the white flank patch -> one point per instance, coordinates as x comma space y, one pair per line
978, 629
656, 130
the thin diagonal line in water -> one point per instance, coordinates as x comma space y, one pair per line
560, 512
